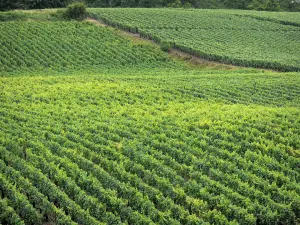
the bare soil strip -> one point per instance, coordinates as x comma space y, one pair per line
190, 60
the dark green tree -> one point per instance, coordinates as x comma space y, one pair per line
272, 5
236, 4
293, 6
175, 4
205, 4
31, 4
76, 11
150, 3
257, 5
129, 3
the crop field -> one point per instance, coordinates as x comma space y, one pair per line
42, 46
240, 38
287, 18
96, 128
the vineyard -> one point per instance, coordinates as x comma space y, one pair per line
98, 129
42, 46
138, 149
240, 38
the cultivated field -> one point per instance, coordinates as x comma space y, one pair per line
235, 37
65, 46
99, 128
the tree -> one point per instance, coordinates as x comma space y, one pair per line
294, 5
176, 4
205, 4
15, 4
237, 4
257, 5
150, 3
76, 11
50, 4
31, 4
129, 3
272, 5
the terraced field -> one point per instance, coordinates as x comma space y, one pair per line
254, 39
98, 129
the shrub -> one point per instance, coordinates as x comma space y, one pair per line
176, 4
165, 46
76, 11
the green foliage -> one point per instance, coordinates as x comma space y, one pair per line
257, 5
77, 11
175, 4
31, 4
267, 5
233, 37
32, 15
230, 4
8, 214
68, 46
287, 5
179, 4
272, 5
165, 46
114, 132
237, 4
9, 16
187, 5
118, 146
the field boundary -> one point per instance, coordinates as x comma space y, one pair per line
175, 53
211, 57
272, 20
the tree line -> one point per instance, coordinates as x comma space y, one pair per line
266, 5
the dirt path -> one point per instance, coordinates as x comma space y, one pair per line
190, 60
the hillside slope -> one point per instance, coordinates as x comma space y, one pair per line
151, 148
98, 129
236, 37
65, 46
